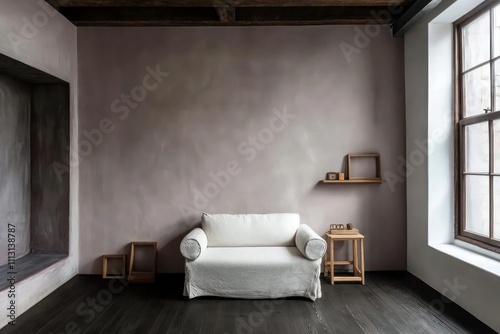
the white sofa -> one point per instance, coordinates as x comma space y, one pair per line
253, 256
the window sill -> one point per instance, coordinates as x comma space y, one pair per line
28, 266
459, 251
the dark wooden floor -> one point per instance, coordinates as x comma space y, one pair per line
390, 302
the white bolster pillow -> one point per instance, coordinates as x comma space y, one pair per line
193, 244
310, 244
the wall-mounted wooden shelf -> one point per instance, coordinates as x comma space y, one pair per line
368, 178
351, 181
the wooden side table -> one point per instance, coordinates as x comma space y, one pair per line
358, 261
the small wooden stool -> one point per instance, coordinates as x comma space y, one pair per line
359, 272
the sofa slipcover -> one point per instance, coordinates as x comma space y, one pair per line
253, 256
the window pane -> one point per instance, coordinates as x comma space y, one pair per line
477, 91
496, 207
477, 151
477, 204
496, 145
476, 41
496, 34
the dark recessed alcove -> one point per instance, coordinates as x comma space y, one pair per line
34, 167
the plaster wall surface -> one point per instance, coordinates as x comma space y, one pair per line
51, 48
166, 112
430, 187
49, 186
15, 164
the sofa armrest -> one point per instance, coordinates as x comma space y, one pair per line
193, 244
310, 244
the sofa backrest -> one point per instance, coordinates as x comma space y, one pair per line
247, 230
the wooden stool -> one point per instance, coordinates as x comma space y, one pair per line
359, 272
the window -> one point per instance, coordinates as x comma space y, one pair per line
478, 126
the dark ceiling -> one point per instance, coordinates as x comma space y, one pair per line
401, 14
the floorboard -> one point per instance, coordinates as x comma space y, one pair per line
390, 302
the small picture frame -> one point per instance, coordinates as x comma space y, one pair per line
331, 176
375, 162
109, 270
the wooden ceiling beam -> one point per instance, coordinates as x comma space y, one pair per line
221, 3
240, 23
411, 16
226, 13
201, 16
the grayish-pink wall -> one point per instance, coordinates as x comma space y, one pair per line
150, 144
51, 48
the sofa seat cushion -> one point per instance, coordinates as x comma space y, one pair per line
253, 272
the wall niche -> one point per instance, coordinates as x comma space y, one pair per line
34, 198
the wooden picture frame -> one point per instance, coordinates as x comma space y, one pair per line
105, 260
378, 173
143, 276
